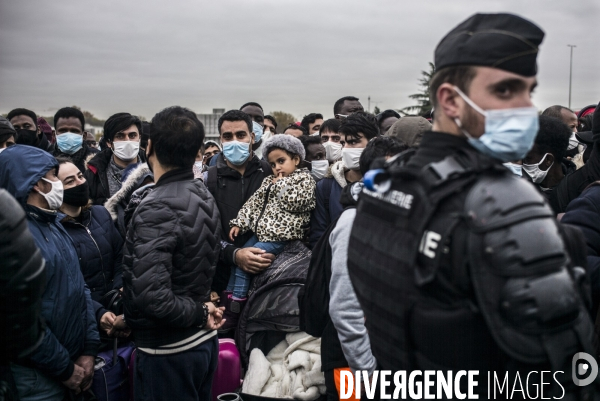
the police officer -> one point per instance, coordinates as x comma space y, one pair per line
458, 264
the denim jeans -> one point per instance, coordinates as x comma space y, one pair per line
33, 385
239, 281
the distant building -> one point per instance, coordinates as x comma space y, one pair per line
94, 129
211, 121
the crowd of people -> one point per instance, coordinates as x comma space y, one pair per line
429, 227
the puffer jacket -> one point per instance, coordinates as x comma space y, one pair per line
169, 260
280, 211
66, 303
99, 247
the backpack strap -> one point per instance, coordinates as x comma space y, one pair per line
327, 185
266, 167
211, 180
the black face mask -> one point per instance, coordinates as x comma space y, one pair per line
27, 137
77, 196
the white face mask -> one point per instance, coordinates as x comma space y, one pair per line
198, 165
2, 149
573, 142
516, 169
351, 157
319, 168
333, 151
55, 196
533, 170
126, 150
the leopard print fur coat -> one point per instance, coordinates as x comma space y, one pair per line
280, 211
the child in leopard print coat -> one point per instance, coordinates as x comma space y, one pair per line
279, 210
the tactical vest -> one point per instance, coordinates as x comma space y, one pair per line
461, 266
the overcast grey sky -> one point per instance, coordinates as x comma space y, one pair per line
299, 56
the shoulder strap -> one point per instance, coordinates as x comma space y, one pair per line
267, 170
449, 175
211, 180
327, 185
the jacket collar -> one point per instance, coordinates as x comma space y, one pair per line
180, 174
101, 159
338, 171
223, 169
41, 215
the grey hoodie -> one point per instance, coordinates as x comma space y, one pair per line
344, 309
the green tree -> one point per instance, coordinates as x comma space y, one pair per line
423, 106
283, 119
376, 110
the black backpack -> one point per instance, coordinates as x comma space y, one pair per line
313, 298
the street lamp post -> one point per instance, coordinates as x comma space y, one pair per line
571, 73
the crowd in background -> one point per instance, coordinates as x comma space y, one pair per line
153, 235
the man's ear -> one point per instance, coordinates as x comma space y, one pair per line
39, 186
449, 102
548, 161
149, 149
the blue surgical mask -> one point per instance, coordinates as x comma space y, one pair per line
236, 152
509, 133
258, 131
69, 142
515, 168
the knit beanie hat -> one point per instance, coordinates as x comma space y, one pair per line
288, 143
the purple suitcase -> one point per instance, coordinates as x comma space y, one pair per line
131, 366
227, 378
111, 377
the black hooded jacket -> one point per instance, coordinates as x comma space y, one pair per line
169, 260
231, 190
573, 184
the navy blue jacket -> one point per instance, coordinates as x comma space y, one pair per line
584, 212
66, 303
328, 209
100, 251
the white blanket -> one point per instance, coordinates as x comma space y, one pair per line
291, 370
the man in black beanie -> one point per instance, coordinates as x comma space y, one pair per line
458, 264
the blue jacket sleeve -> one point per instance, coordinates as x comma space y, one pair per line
92, 337
52, 358
320, 218
583, 212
